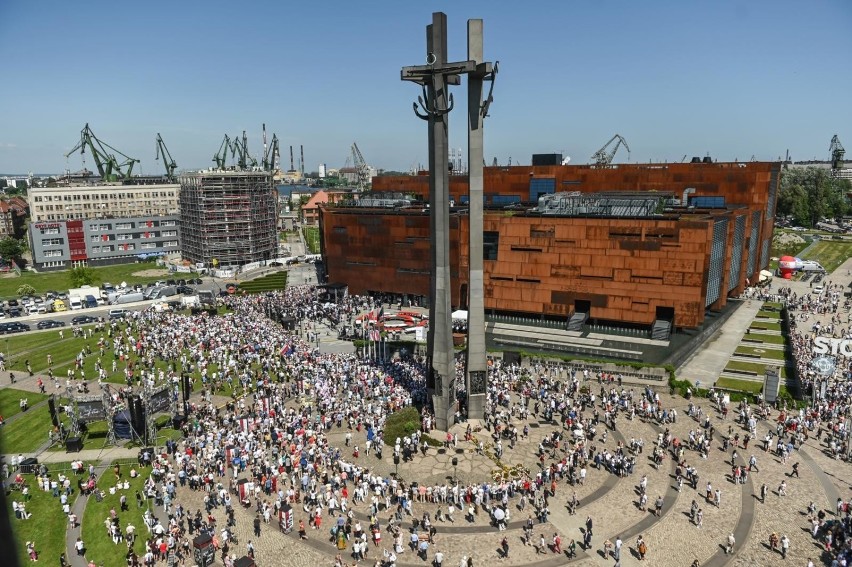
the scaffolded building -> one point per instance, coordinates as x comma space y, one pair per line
228, 218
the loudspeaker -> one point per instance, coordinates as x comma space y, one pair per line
187, 386
51, 405
178, 421
73, 445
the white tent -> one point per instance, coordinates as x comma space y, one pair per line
765, 275
459, 315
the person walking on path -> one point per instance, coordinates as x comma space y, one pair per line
641, 547
504, 546
763, 491
785, 546
795, 471
729, 548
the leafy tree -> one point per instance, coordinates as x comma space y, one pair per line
10, 248
81, 275
26, 289
810, 194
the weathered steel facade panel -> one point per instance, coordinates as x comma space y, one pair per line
623, 269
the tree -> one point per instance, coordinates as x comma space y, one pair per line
10, 248
26, 289
811, 194
81, 275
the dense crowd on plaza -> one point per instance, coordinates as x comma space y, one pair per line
289, 447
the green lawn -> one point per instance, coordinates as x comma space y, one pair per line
775, 315
269, 282
312, 239
100, 548
27, 433
751, 386
47, 525
10, 401
59, 281
766, 338
752, 367
761, 352
829, 253
767, 325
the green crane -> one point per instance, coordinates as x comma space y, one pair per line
109, 166
239, 149
272, 157
170, 164
221, 156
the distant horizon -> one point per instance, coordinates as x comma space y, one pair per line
730, 79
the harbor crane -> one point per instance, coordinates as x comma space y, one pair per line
221, 156
170, 163
110, 168
361, 168
271, 155
239, 149
837, 153
603, 157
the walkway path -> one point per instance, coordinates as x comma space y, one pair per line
711, 358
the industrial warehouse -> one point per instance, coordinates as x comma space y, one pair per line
650, 247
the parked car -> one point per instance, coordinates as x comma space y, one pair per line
13, 327
83, 319
185, 289
49, 324
118, 313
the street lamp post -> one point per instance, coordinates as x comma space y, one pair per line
455, 470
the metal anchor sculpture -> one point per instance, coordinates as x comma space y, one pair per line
429, 107
491, 77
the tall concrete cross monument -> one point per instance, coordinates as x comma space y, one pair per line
435, 104
477, 109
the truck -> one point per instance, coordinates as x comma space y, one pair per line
164, 291
90, 302
81, 292
130, 298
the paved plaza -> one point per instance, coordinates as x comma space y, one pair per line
612, 502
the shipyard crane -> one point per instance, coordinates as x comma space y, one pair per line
272, 157
170, 164
221, 156
361, 169
603, 157
109, 166
837, 153
239, 149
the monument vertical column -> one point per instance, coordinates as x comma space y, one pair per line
476, 367
440, 348
434, 106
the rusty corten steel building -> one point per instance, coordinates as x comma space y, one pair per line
705, 245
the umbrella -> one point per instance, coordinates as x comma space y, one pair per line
499, 514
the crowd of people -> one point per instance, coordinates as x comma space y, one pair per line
289, 445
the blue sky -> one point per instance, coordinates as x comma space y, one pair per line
732, 78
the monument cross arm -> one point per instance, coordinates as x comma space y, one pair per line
424, 74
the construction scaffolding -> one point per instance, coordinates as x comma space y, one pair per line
228, 218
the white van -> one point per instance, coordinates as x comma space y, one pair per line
75, 302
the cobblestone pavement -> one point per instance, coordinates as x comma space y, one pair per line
673, 540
